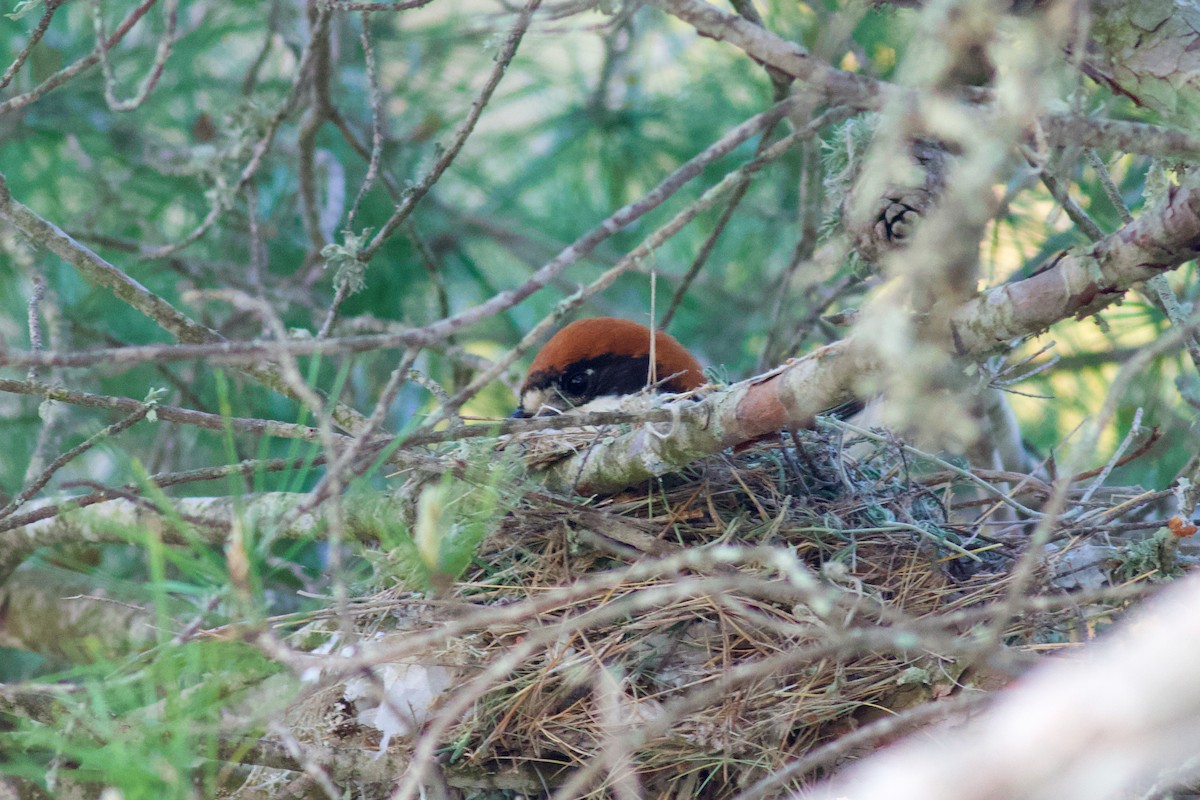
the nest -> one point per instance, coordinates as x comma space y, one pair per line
694, 637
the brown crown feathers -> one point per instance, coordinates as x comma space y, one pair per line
604, 357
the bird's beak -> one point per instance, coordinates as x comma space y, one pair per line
518, 414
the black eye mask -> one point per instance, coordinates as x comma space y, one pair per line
602, 376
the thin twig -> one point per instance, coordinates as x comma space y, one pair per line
1135, 428
390, 184
35, 36
100, 271
40, 481
426, 336
365, 438
255, 351
320, 110
1110, 189
35, 323
161, 54
1062, 195
780, 84
258, 247
258, 153
418, 191
346, 5
710, 242
251, 78
138, 296
810, 202
67, 73
377, 117
1023, 572
186, 416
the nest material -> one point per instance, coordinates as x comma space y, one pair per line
547, 711
701, 693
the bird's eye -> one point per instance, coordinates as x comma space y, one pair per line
576, 383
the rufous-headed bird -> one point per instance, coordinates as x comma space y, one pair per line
591, 364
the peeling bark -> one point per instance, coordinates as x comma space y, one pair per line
1079, 284
1148, 51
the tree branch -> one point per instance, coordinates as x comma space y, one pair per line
1072, 284
1079, 284
1061, 129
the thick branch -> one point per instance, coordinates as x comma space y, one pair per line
787, 57
121, 521
52, 611
790, 396
1081, 284
867, 93
1073, 284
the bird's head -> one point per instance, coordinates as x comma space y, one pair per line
604, 359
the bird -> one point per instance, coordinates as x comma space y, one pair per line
593, 364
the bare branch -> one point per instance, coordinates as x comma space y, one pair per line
843, 88
261, 147
100, 271
437, 331
346, 5
186, 416
34, 321
377, 118
39, 482
320, 110
1065, 130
